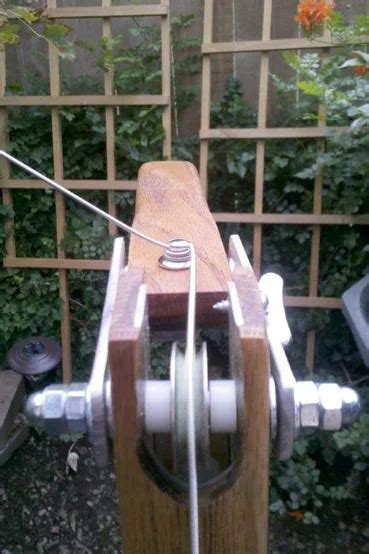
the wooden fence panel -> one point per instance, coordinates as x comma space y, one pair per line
277, 22
106, 12
261, 134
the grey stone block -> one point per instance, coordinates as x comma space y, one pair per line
355, 308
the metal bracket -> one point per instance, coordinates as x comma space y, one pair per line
97, 416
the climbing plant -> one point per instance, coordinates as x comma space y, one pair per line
324, 469
14, 16
139, 135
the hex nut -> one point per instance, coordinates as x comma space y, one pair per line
330, 406
75, 408
307, 398
53, 410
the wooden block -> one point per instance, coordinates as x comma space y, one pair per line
233, 516
170, 204
17, 437
152, 521
11, 399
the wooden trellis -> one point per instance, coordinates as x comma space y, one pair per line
261, 133
55, 100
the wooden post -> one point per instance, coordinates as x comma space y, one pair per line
153, 521
60, 210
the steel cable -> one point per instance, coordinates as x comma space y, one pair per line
174, 252
191, 416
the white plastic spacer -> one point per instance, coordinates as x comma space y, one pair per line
223, 406
157, 406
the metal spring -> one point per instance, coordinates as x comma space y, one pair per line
177, 255
179, 251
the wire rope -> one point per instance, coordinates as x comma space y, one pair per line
176, 251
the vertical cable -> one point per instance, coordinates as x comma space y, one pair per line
191, 435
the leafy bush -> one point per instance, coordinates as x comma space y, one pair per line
139, 135
325, 468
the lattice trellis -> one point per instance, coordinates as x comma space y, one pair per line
55, 101
261, 133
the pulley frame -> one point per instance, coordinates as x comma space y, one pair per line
143, 294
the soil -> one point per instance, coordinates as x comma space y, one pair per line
45, 509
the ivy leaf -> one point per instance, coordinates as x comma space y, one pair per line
26, 14
363, 56
57, 33
9, 33
311, 87
352, 62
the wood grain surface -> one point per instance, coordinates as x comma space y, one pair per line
170, 204
152, 521
11, 399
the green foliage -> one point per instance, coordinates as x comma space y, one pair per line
231, 161
296, 485
37, 23
9, 33
139, 136
23, 309
324, 468
159, 356
326, 471
331, 469
343, 34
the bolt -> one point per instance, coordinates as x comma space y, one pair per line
58, 409
33, 409
326, 406
307, 399
330, 400
75, 408
53, 410
351, 405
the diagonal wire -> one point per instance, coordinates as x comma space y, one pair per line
190, 339
81, 200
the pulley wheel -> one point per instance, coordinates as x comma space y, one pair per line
34, 355
179, 385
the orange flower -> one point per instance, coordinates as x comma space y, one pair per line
361, 70
297, 515
312, 13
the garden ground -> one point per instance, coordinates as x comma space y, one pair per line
44, 509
